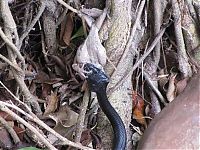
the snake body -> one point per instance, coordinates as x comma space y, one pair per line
98, 81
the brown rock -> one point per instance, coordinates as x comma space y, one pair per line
178, 125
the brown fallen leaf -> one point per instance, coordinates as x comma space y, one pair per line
138, 108
171, 92
86, 137
67, 26
162, 79
52, 103
46, 90
66, 116
20, 132
6, 116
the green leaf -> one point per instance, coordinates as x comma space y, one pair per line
78, 33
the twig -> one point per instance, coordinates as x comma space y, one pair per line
16, 98
4, 108
193, 12
67, 6
81, 117
12, 46
181, 51
137, 129
154, 88
10, 130
61, 17
10, 63
10, 30
157, 25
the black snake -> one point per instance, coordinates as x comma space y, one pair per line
98, 81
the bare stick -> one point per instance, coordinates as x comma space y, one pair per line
10, 29
154, 88
182, 55
12, 46
67, 6
10, 130
34, 118
81, 117
157, 25
10, 63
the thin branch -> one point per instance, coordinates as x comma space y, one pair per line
61, 17
10, 130
154, 88
181, 51
12, 46
157, 25
16, 98
67, 6
11, 64
81, 117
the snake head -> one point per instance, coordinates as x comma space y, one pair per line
97, 79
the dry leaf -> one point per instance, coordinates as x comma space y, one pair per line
171, 92
65, 116
20, 132
46, 90
162, 79
52, 103
75, 97
41, 77
6, 116
86, 137
138, 108
66, 28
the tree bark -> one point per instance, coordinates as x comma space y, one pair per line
115, 45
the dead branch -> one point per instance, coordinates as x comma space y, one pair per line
67, 6
10, 130
182, 55
80, 121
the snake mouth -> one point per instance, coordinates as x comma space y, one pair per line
96, 78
